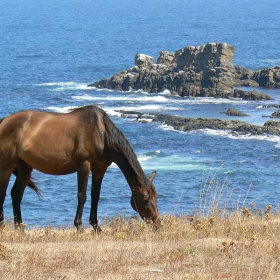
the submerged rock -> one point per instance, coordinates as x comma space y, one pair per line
234, 112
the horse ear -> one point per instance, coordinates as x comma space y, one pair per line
152, 176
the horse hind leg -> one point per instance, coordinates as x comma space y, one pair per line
4, 181
23, 178
97, 177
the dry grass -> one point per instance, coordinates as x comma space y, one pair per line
214, 243
240, 245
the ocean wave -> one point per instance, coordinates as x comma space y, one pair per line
229, 134
66, 109
61, 86
211, 100
168, 127
150, 155
30, 55
159, 99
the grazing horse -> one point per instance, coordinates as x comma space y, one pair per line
83, 141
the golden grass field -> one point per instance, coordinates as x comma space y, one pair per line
239, 245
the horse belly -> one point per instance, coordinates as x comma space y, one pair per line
48, 159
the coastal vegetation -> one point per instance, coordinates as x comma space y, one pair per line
220, 239
240, 246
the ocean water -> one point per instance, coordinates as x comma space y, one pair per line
51, 50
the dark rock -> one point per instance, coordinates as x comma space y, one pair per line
234, 112
275, 124
250, 95
276, 114
205, 70
165, 57
189, 124
244, 77
268, 77
276, 106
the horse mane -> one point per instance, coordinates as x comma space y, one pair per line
115, 139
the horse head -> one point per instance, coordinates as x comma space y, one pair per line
144, 201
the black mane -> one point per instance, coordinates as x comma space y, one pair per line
115, 139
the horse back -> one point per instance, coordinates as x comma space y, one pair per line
52, 142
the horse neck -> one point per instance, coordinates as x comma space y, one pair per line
132, 172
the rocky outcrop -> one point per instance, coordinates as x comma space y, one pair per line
250, 95
205, 70
267, 78
165, 57
271, 127
234, 112
244, 77
143, 60
276, 114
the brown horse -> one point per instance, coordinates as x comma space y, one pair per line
83, 141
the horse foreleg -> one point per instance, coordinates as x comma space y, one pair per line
83, 174
23, 178
97, 178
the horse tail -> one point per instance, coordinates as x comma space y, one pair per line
31, 185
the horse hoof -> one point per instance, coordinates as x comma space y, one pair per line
97, 229
20, 227
81, 230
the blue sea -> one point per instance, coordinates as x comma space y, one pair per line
50, 51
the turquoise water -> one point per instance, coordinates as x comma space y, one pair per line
50, 51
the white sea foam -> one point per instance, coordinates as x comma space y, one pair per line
142, 158
61, 86
165, 92
229, 134
145, 120
132, 98
212, 100
167, 127
84, 97
66, 109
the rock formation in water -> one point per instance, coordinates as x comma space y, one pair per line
271, 127
267, 77
234, 112
276, 114
205, 70
201, 71
250, 95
